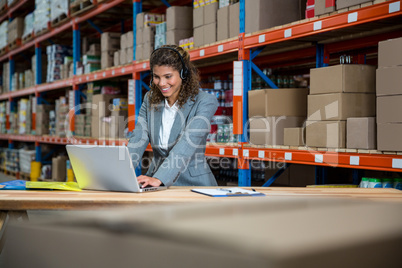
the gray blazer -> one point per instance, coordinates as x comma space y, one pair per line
183, 163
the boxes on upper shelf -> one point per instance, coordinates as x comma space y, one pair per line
15, 29
294, 136
270, 130
389, 137
179, 17
361, 133
210, 13
389, 81
389, 109
174, 36
263, 14
324, 6
278, 102
348, 3
209, 33
223, 23
340, 106
390, 53
110, 41
352, 78
234, 23
198, 17
327, 134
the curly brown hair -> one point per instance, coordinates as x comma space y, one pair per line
167, 57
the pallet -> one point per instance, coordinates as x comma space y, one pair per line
14, 44
43, 31
59, 20
25, 176
28, 38
80, 6
15, 174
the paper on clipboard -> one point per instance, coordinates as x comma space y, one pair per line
227, 192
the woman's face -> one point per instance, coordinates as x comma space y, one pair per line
168, 80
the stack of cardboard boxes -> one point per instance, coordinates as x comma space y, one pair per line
336, 94
15, 29
24, 116
62, 118
205, 24
110, 43
145, 34
271, 111
42, 119
322, 7
55, 58
389, 95
160, 35
179, 24
126, 48
91, 60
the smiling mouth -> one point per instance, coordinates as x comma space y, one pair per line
165, 89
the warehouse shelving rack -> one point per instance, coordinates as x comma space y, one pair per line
306, 41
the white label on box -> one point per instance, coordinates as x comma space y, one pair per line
288, 33
131, 91
221, 151
113, 72
95, 76
71, 99
394, 7
87, 78
317, 25
104, 74
246, 153
352, 17
261, 38
318, 158
396, 163
261, 154
288, 156
202, 53
235, 152
96, 142
354, 160
220, 48
144, 65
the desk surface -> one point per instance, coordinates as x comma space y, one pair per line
49, 200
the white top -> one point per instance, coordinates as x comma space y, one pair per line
168, 116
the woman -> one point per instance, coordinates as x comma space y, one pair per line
175, 118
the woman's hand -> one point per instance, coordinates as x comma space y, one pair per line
145, 181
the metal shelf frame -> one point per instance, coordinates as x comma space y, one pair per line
247, 46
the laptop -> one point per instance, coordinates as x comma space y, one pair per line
105, 168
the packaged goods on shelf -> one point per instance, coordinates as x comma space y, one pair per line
56, 54
223, 23
15, 82
3, 129
270, 130
107, 59
28, 79
122, 56
58, 9
324, 7
174, 36
340, 106
94, 50
12, 160
139, 52
145, 36
224, 3
15, 29
116, 58
198, 17
52, 122
274, 102
3, 34
210, 13
309, 9
91, 67
209, 33
352, 78
41, 15
389, 81
44, 64
361, 133
234, 23
263, 14
389, 53
326, 134
148, 19
348, 3
110, 41
294, 136
43, 119
62, 119
59, 170
26, 157
199, 36
24, 116
79, 124
13, 117
179, 18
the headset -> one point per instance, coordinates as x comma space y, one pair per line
183, 71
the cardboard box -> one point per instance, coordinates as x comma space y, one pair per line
390, 53
129, 39
361, 133
110, 41
294, 136
138, 36
389, 137
123, 42
148, 35
179, 17
139, 52
123, 56
389, 109
147, 50
262, 14
323, 7
340, 106
327, 134
278, 102
129, 54
270, 130
116, 58
15, 29
59, 171
234, 23
174, 36
198, 17
209, 33
389, 81
348, 3
210, 13
352, 78
223, 23
107, 59
199, 36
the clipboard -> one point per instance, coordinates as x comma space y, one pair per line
227, 192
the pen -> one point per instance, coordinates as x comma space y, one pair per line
225, 190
